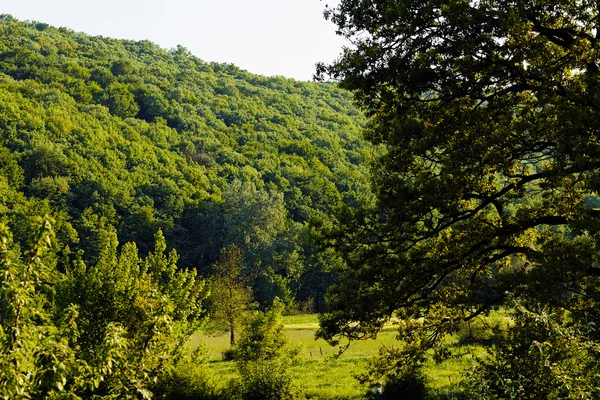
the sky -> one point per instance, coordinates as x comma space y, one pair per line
266, 37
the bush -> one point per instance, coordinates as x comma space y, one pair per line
229, 354
411, 385
264, 355
540, 358
189, 380
103, 331
267, 380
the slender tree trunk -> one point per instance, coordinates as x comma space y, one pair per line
231, 319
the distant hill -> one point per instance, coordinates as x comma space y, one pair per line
124, 136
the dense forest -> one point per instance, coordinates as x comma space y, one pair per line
123, 136
144, 190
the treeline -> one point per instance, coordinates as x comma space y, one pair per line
123, 138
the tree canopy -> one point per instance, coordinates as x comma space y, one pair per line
488, 190
124, 134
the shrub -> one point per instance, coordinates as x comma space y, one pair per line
410, 385
540, 358
102, 332
264, 355
229, 354
267, 380
188, 381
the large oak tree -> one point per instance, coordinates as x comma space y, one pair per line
490, 111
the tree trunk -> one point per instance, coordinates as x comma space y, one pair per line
231, 335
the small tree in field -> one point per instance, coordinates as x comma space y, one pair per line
264, 356
230, 297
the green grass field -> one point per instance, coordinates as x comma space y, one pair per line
319, 374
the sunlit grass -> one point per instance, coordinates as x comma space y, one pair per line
321, 375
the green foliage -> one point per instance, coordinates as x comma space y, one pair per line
540, 357
266, 380
134, 138
252, 216
264, 338
189, 379
411, 385
255, 221
9, 168
103, 332
120, 101
482, 330
122, 67
488, 111
264, 356
38, 359
230, 299
18, 333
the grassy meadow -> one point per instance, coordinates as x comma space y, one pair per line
320, 375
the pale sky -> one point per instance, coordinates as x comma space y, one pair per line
267, 37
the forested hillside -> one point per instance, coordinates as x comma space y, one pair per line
149, 200
117, 136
